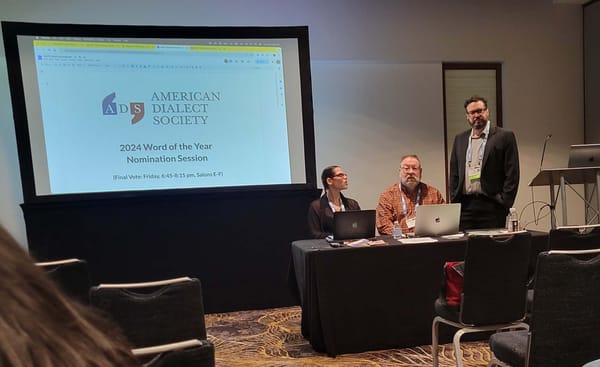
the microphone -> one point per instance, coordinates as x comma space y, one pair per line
544, 149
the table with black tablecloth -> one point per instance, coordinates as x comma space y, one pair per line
377, 297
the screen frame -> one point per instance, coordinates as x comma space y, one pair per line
12, 30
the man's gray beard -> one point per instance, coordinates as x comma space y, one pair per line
411, 185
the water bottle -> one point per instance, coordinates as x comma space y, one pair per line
514, 220
397, 231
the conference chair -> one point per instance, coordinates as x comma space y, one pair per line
163, 320
71, 275
583, 237
565, 316
188, 353
494, 290
574, 238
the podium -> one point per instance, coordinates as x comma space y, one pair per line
565, 177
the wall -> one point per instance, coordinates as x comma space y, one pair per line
376, 77
591, 38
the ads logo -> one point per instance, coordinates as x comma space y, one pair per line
110, 107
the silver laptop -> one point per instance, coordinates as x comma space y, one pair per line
584, 155
353, 224
437, 219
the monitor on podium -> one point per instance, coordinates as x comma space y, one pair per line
584, 155
583, 168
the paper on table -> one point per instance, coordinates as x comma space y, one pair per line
488, 232
453, 236
358, 243
493, 232
407, 241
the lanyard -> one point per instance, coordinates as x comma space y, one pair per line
342, 208
486, 133
404, 209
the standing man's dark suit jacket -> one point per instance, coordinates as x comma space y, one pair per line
500, 166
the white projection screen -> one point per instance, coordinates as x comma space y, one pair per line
104, 110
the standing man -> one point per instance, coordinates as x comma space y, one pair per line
484, 170
399, 201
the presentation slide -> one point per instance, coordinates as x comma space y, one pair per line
121, 114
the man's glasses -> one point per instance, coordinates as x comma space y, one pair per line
408, 168
341, 175
477, 111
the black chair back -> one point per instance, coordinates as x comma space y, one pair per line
200, 356
565, 319
71, 275
156, 315
573, 239
495, 279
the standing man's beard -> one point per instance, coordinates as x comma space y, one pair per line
479, 124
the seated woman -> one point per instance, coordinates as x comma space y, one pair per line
40, 326
320, 212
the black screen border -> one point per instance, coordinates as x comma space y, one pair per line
11, 30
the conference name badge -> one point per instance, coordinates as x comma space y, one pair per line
474, 173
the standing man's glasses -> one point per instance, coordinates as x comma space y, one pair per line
477, 111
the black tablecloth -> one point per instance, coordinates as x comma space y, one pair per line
378, 297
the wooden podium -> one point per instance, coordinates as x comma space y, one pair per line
566, 177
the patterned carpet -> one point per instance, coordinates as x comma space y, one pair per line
272, 338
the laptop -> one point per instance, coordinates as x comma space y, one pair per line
437, 219
584, 155
353, 224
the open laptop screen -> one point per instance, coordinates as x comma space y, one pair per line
353, 224
437, 219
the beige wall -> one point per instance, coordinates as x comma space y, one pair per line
376, 76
